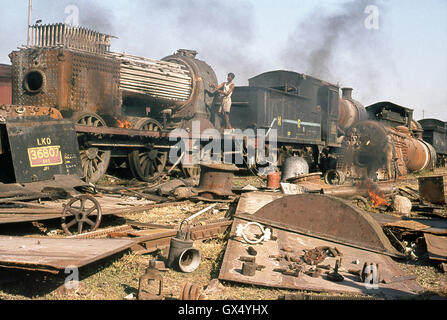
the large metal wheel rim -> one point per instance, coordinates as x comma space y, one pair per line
147, 165
81, 215
94, 161
334, 177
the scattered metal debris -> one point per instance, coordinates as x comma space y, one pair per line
330, 218
335, 276
436, 247
151, 284
283, 262
181, 251
191, 292
314, 256
216, 180
431, 189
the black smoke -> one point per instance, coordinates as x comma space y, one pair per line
221, 31
336, 46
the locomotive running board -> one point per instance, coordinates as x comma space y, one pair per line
326, 218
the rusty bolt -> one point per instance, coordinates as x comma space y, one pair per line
251, 251
249, 269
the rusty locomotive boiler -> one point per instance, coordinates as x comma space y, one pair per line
388, 146
73, 70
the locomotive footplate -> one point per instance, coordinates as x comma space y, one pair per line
39, 149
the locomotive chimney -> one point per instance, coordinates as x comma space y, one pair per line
347, 93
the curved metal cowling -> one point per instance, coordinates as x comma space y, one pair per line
202, 76
179, 82
327, 218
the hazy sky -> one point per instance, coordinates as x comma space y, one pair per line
403, 61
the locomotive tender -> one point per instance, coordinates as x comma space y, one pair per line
435, 133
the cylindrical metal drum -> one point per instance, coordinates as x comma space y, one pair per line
273, 180
216, 179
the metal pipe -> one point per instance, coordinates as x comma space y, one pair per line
200, 212
30, 12
347, 192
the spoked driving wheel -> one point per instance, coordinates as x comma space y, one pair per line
191, 171
94, 161
80, 214
147, 165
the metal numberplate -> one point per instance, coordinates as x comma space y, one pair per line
45, 156
42, 148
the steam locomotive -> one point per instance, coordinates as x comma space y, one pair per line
73, 70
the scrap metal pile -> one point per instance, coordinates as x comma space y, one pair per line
79, 109
313, 237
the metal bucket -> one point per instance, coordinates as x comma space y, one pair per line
181, 252
177, 247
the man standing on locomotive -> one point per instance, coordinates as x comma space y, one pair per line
226, 89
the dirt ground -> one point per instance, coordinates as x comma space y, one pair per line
117, 276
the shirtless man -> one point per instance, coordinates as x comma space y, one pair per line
226, 89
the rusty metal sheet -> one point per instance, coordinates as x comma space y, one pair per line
65, 80
231, 269
56, 254
327, 218
18, 218
407, 224
54, 211
432, 226
15, 190
431, 189
436, 247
